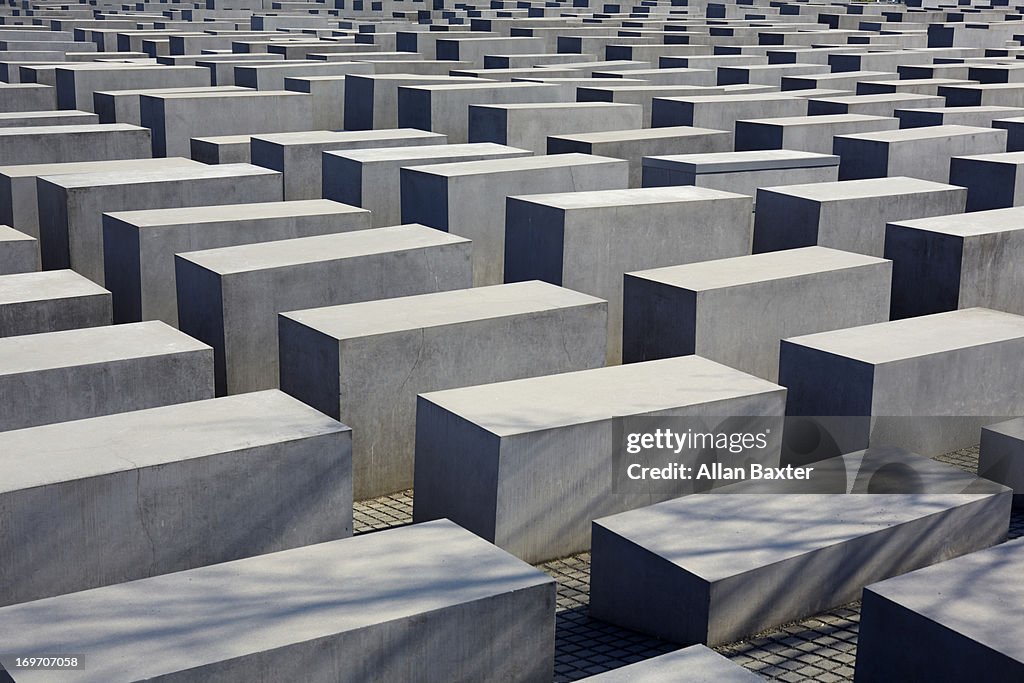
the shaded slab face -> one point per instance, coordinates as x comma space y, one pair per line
436, 591
134, 495
954, 618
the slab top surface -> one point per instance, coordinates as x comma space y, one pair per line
46, 285
487, 167
972, 224
156, 174
189, 215
598, 199
841, 190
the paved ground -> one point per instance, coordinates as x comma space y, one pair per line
819, 648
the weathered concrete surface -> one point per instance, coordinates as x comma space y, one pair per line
51, 301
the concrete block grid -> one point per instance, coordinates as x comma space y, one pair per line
264, 265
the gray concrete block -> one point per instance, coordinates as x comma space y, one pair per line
915, 152
365, 363
960, 261
271, 75
800, 554
1002, 456
695, 664
468, 198
525, 464
992, 180
15, 97
75, 374
176, 118
51, 301
955, 116
917, 86
840, 80
61, 144
139, 246
122, 106
737, 310
740, 172
221, 149
19, 252
634, 91
806, 133
298, 155
527, 126
927, 384
884, 104
371, 178
328, 93
984, 94
849, 214
76, 83
946, 623
1014, 127
168, 489
230, 297
723, 111
634, 145
47, 118
586, 241
72, 205
445, 108
324, 612
371, 100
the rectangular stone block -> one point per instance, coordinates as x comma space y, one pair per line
915, 152
19, 252
47, 118
983, 94
139, 246
806, 133
123, 106
947, 622
633, 145
324, 612
927, 384
371, 178
76, 83
230, 297
955, 116
527, 464
634, 91
884, 104
918, 86
365, 363
587, 241
176, 118
75, 374
737, 310
445, 108
1002, 456
371, 100
721, 112
740, 172
992, 180
18, 200
849, 214
221, 149
527, 126
137, 494
72, 205
15, 97
468, 198
298, 155
841, 80
800, 554
51, 301
271, 75
694, 663
328, 93
959, 261
62, 144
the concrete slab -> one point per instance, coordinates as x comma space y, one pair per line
139, 246
364, 363
136, 494
955, 618
849, 214
19, 252
737, 310
51, 301
928, 384
806, 133
950, 262
312, 607
75, 374
527, 126
468, 198
371, 178
587, 240
298, 155
61, 144
1002, 456
230, 297
72, 205
696, 663
525, 464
